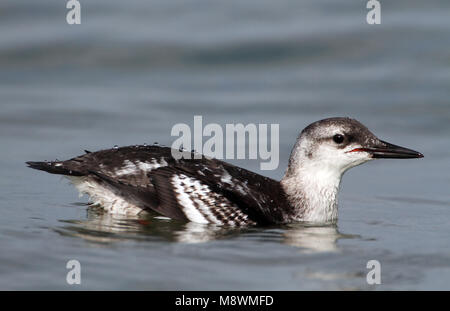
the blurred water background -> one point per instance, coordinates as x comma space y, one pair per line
133, 69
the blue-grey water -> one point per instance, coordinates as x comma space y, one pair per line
133, 69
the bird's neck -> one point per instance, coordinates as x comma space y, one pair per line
311, 190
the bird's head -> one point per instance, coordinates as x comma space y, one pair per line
338, 144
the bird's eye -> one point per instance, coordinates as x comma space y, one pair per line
338, 138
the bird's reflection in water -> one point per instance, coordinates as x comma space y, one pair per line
313, 239
103, 228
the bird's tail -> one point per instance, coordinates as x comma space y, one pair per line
57, 167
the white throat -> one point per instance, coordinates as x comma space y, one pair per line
312, 190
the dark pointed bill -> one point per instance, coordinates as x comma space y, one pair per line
385, 150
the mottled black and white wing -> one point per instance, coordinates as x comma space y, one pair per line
199, 200
209, 190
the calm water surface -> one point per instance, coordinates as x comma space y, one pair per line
132, 70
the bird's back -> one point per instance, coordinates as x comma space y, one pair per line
143, 178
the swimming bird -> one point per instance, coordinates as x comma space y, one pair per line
138, 179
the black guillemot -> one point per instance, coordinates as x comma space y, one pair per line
138, 179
